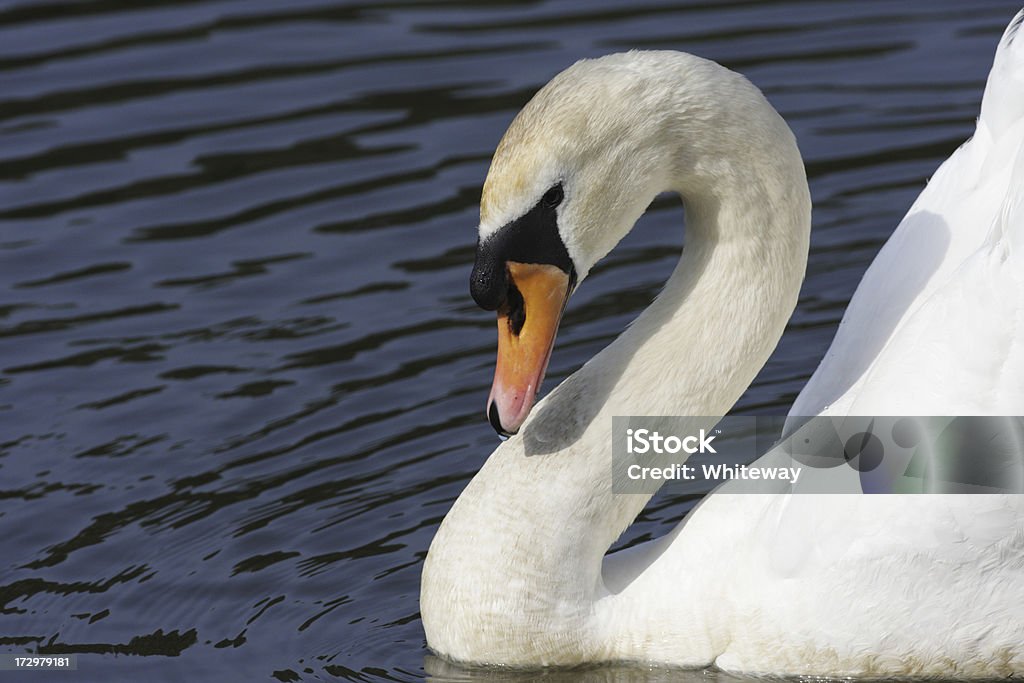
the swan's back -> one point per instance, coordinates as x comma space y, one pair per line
937, 324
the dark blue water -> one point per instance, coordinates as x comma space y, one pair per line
241, 377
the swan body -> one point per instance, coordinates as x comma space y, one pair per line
784, 584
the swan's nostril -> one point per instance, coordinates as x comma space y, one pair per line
516, 308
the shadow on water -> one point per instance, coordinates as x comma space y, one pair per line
241, 378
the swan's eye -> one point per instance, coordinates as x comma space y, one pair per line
553, 197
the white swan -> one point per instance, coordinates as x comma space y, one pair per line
786, 584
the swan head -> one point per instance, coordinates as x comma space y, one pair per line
572, 174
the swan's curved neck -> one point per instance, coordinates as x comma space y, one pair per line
514, 574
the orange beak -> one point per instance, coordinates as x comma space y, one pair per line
527, 325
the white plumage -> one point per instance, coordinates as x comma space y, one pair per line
935, 326
798, 584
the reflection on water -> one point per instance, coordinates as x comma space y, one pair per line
439, 670
242, 379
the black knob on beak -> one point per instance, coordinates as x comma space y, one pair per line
488, 283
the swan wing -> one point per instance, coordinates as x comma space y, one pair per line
934, 325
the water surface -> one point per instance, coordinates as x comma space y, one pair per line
241, 377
